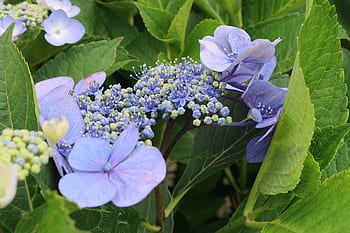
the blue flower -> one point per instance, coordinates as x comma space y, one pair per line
122, 173
265, 101
60, 29
55, 100
232, 52
18, 29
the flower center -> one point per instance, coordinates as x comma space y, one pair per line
266, 111
107, 167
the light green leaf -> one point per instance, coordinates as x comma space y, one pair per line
257, 11
283, 164
213, 8
81, 60
101, 21
321, 62
202, 29
123, 60
287, 28
234, 9
310, 178
107, 218
346, 67
125, 9
341, 162
328, 210
326, 142
53, 216
17, 99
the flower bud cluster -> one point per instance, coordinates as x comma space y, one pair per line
28, 150
166, 91
32, 15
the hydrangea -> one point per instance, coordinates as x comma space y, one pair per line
18, 29
60, 29
122, 173
232, 53
265, 101
64, 5
55, 98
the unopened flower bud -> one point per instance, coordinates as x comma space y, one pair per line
56, 128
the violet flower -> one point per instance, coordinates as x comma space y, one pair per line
232, 53
55, 100
122, 173
265, 101
17, 30
60, 29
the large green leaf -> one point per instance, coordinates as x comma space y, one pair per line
202, 29
17, 98
125, 9
100, 21
328, 210
282, 166
213, 8
326, 142
256, 11
81, 60
107, 218
287, 28
53, 216
341, 162
321, 62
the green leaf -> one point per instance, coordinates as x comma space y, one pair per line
123, 60
81, 60
283, 164
125, 9
100, 21
17, 99
341, 162
209, 157
204, 28
213, 8
146, 49
324, 78
287, 28
107, 218
310, 178
53, 216
326, 142
257, 11
167, 22
234, 9
328, 210
346, 67
28, 197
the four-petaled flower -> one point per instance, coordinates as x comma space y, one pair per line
55, 100
122, 173
232, 52
17, 30
64, 5
60, 29
265, 101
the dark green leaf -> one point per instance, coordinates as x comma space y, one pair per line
17, 100
341, 162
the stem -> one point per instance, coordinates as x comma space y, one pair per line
232, 179
149, 226
173, 203
232, 226
30, 204
243, 174
167, 130
160, 206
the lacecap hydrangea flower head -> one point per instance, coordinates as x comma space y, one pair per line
18, 29
232, 53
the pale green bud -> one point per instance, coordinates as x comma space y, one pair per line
55, 129
8, 184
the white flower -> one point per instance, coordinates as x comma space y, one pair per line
8, 184
64, 5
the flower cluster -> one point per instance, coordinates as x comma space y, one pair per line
165, 91
59, 27
27, 150
232, 53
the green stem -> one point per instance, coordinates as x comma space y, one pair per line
149, 226
232, 226
173, 203
232, 179
30, 204
243, 175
